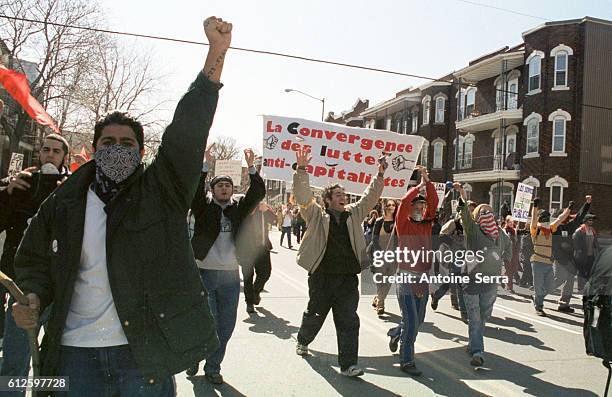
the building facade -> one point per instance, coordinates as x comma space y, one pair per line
538, 113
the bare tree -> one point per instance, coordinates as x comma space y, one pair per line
58, 48
81, 74
226, 148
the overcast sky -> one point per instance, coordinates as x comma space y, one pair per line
421, 37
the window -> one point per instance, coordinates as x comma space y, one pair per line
556, 185
460, 105
559, 119
558, 144
500, 153
561, 69
556, 196
437, 153
415, 121
426, 109
439, 110
535, 65
459, 155
500, 193
532, 122
424, 153
468, 148
470, 99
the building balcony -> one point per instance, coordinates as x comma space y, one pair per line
489, 119
488, 169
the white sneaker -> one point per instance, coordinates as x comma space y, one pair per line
301, 350
352, 371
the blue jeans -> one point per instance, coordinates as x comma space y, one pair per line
16, 348
413, 314
107, 372
223, 293
479, 308
543, 282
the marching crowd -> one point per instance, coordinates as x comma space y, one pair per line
129, 296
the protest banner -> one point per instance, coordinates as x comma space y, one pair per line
522, 202
231, 168
16, 164
441, 190
340, 154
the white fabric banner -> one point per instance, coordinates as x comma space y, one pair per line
340, 154
232, 168
522, 202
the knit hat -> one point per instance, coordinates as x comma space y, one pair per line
221, 178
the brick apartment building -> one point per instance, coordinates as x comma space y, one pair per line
539, 113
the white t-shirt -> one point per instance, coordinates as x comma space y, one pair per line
92, 319
287, 220
222, 255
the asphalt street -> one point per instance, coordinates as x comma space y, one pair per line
525, 354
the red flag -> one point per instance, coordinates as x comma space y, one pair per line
17, 86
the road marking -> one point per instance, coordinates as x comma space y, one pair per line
444, 370
533, 319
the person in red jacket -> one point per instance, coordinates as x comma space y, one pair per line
414, 223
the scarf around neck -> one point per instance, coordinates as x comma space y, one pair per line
114, 164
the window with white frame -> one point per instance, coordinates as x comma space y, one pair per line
468, 190
426, 111
460, 104
508, 93
556, 196
561, 69
459, 152
439, 110
424, 153
438, 151
558, 143
556, 186
468, 149
532, 122
470, 100
559, 119
415, 121
561, 54
535, 68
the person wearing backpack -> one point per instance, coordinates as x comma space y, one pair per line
482, 234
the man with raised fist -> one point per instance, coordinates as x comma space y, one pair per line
110, 250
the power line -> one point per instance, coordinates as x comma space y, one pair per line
139, 35
316, 60
503, 9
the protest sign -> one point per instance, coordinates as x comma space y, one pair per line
522, 202
16, 164
441, 190
231, 168
340, 154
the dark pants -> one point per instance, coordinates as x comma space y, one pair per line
262, 268
527, 276
286, 231
299, 231
108, 372
584, 271
339, 293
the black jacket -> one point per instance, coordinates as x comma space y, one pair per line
17, 208
207, 215
159, 296
563, 247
